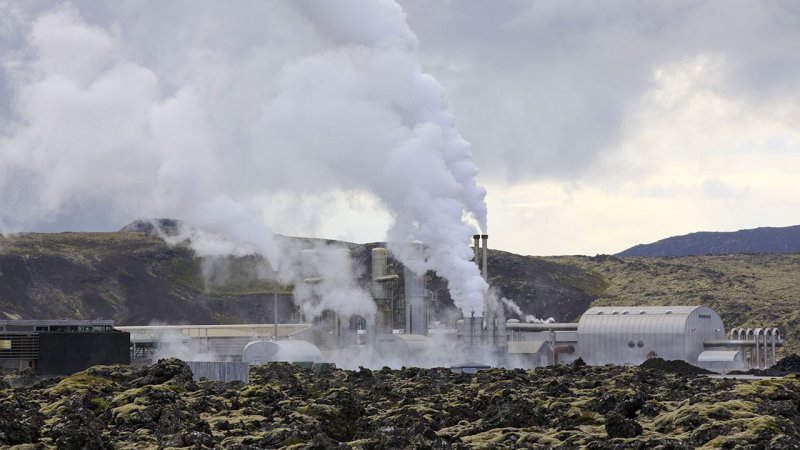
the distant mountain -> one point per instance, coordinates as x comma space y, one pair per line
758, 240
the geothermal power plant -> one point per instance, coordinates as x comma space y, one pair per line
399, 333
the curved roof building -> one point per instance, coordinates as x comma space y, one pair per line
632, 334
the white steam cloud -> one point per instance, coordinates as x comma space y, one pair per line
137, 110
528, 318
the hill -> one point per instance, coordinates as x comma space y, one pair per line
135, 278
758, 240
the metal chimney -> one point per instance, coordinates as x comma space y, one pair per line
476, 248
485, 238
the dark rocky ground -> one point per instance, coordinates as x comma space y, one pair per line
285, 406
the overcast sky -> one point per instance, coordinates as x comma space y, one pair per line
595, 126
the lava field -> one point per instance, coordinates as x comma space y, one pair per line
661, 405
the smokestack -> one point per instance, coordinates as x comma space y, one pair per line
485, 256
476, 248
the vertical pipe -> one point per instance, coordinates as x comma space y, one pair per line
477, 329
775, 336
485, 256
275, 312
489, 313
766, 348
757, 334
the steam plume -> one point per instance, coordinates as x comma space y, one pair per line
149, 112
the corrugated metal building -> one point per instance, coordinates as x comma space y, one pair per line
630, 335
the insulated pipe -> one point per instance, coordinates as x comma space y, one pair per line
767, 344
776, 335
758, 332
541, 326
735, 343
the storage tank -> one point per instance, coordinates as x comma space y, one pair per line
416, 303
260, 352
632, 334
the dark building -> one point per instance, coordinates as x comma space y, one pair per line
61, 347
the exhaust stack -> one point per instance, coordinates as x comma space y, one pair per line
485, 270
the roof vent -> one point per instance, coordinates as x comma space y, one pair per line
624, 312
669, 311
642, 312
615, 313
600, 313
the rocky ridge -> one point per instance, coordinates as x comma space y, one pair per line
286, 406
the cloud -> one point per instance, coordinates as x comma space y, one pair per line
543, 89
620, 104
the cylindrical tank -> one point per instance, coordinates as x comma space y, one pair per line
379, 259
416, 307
260, 352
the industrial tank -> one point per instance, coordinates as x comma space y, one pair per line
259, 352
632, 334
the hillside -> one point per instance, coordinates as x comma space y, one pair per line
137, 279
758, 240
134, 277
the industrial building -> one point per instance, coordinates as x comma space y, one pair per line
401, 333
59, 347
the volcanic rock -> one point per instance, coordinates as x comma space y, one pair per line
286, 406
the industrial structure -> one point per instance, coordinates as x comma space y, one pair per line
60, 347
401, 332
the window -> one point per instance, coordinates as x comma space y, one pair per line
5, 344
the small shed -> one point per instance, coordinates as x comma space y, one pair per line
529, 354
